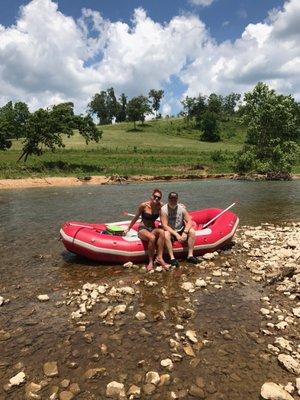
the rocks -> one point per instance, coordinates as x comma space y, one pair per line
149, 389
17, 380
196, 391
4, 336
188, 286
43, 297
296, 312
129, 264
167, 363
264, 311
120, 309
1, 301
140, 316
115, 390
165, 379
134, 392
200, 283
152, 377
283, 343
191, 335
298, 385
66, 395
208, 256
50, 369
271, 391
94, 373
289, 363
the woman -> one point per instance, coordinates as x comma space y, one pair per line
149, 212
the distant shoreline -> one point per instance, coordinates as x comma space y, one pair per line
40, 182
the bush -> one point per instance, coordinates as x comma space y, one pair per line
210, 127
218, 156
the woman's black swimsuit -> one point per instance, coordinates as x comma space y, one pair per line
148, 218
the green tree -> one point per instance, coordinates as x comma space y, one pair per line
98, 106
215, 103
12, 120
44, 129
155, 96
210, 129
122, 105
137, 108
273, 127
230, 102
194, 107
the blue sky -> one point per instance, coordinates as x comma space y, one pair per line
226, 19
49, 53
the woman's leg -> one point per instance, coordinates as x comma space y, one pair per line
151, 239
160, 236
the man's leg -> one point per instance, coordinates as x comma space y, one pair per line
169, 246
191, 242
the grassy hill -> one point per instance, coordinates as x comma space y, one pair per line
163, 147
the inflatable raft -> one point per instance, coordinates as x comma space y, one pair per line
95, 242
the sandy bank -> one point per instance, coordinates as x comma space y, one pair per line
24, 183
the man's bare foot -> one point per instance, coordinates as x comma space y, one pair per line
162, 263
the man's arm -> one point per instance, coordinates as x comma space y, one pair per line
166, 227
188, 222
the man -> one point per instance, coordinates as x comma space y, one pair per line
177, 224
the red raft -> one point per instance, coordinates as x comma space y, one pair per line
93, 241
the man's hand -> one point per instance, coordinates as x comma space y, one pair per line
184, 237
178, 237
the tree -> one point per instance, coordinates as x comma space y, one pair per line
230, 102
137, 108
12, 120
122, 104
156, 96
98, 106
215, 103
210, 127
44, 129
273, 128
194, 107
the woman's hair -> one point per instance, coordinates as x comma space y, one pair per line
157, 191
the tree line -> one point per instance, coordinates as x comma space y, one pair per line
107, 108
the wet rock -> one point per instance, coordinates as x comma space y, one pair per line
140, 316
94, 373
200, 382
115, 390
289, 363
4, 336
271, 391
167, 363
149, 389
43, 297
32, 389
50, 369
197, 392
191, 335
66, 395
152, 377
134, 392
189, 350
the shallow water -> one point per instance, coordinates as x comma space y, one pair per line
33, 261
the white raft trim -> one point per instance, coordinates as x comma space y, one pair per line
117, 252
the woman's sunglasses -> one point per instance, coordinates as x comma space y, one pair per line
156, 197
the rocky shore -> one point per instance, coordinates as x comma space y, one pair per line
227, 328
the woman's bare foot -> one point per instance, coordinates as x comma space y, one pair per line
150, 267
162, 263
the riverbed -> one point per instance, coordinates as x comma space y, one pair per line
229, 358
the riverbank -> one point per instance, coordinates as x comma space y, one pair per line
26, 183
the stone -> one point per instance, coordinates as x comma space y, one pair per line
264, 311
271, 391
129, 264
33, 388
191, 335
66, 395
94, 373
18, 379
188, 286
1, 301
283, 343
289, 388
134, 392
115, 390
4, 336
200, 382
200, 283
102, 289
120, 309
149, 389
296, 312
65, 383
196, 391
165, 380
43, 297
189, 350
289, 363
281, 325
152, 377
50, 369
298, 385
167, 363
140, 316
208, 256
74, 388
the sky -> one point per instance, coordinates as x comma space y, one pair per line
53, 51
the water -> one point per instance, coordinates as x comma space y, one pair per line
33, 261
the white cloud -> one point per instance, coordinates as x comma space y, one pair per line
48, 57
203, 3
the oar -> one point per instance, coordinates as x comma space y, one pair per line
128, 214
217, 216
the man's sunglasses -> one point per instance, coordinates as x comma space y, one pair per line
157, 197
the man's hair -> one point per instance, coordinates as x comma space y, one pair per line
173, 195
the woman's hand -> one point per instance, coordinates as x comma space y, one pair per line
126, 231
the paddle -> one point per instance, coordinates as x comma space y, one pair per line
217, 216
127, 214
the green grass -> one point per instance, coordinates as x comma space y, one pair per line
163, 147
